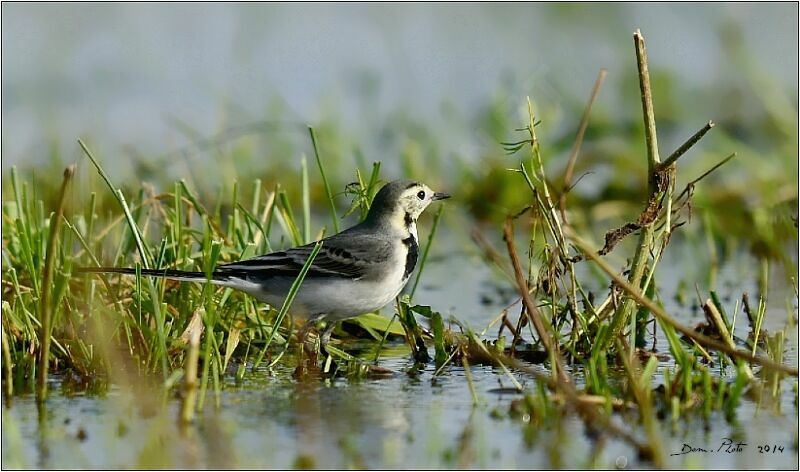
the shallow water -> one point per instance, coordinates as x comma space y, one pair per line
399, 422
270, 420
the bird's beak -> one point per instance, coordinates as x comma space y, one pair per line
440, 196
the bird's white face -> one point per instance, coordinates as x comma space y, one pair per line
399, 204
413, 201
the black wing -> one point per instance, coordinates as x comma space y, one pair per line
342, 255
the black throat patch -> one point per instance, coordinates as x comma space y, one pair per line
411, 256
408, 220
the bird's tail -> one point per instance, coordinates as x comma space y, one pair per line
217, 278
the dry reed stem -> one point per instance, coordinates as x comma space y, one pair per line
190, 367
663, 316
576, 147
530, 307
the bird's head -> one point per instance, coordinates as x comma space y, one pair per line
400, 202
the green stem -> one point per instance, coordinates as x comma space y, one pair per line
324, 179
427, 249
47, 278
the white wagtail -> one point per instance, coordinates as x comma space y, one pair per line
357, 271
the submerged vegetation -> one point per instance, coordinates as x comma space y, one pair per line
590, 313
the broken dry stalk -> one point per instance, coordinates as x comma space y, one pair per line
673, 158
645, 243
660, 182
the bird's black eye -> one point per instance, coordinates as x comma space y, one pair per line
421, 195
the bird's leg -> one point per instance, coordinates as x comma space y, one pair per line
302, 335
325, 337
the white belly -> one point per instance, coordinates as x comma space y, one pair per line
337, 298
345, 299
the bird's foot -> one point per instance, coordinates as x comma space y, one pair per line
307, 341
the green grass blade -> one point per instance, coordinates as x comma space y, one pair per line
324, 180
306, 200
427, 248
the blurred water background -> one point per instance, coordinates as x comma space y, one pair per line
135, 78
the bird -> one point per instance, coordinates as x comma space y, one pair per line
357, 271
